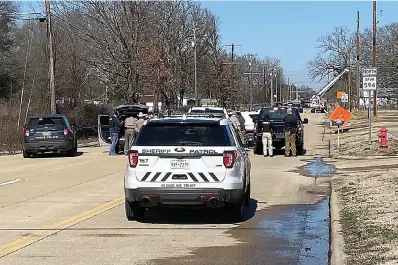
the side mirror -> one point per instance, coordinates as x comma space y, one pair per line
305, 121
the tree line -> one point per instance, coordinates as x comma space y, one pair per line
338, 49
116, 51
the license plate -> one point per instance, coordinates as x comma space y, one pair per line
179, 164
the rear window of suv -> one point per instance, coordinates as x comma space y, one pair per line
183, 135
277, 114
46, 121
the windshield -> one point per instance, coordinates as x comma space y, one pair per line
218, 111
183, 134
277, 114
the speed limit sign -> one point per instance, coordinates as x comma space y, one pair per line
369, 82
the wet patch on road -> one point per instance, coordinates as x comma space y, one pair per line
316, 168
279, 235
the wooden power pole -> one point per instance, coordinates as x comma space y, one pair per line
358, 83
374, 57
349, 79
51, 60
232, 63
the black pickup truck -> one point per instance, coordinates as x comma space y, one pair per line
278, 128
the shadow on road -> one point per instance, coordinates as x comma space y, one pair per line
194, 216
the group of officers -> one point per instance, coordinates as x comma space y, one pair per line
290, 129
132, 124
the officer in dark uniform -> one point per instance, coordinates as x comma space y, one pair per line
290, 132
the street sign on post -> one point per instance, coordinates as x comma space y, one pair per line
369, 84
344, 98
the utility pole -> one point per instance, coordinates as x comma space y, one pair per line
51, 59
250, 79
272, 91
195, 72
265, 83
358, 70
374, 57
349, 78
276, 85
232, 63
288, 88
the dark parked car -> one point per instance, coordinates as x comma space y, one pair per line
49, 133
278, 127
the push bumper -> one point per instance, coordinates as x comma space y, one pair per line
48, 146
152, 197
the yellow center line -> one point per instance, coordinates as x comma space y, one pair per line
30, 239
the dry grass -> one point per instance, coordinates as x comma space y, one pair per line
355, 142
369, 217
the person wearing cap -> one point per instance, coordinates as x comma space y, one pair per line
290, 121
114, 131
129, 132
139, 122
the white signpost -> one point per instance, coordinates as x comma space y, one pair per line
344, 98
369, 84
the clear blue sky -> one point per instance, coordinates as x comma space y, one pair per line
289, 30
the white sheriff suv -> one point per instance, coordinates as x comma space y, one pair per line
190, 160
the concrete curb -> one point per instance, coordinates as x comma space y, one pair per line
336, 250
362, 157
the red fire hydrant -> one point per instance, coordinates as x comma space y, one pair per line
383, 137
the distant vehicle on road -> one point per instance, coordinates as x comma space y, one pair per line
295, 104
208, 110
277, 125
49, 133
187, 161
124, 111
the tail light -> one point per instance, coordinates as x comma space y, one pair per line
25, 132
229, 158
299, 127
133, 158
66, 131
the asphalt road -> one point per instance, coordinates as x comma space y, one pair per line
56, 210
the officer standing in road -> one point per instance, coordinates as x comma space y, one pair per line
129, 133
114, 131
140, 121
290, 132
267, 136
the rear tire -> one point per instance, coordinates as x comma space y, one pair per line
300, 149
26, 154
134, 211
247, 201
71, 153
237, 211
258, 149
